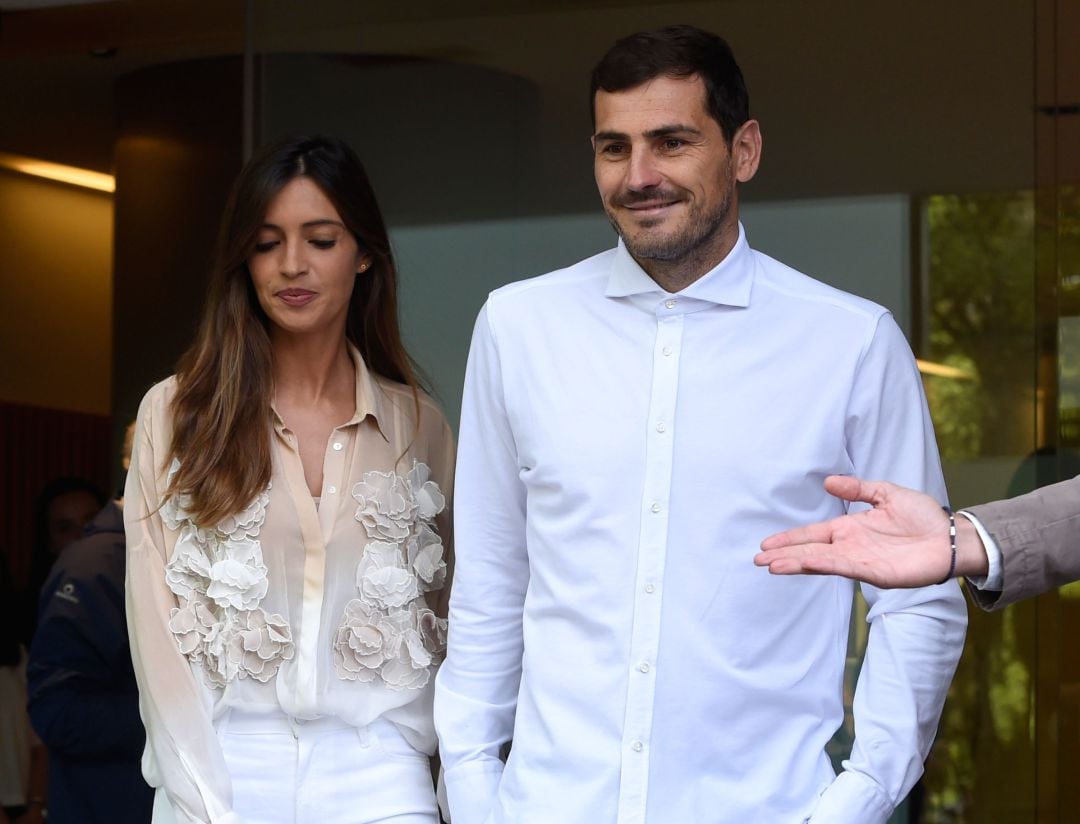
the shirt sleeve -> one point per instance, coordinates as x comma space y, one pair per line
477, 686
916, 635
182, 755
441, 462
991, 581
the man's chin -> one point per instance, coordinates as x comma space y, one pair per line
651, 248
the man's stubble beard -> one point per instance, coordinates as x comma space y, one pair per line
687, 243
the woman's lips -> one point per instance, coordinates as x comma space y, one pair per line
296, 297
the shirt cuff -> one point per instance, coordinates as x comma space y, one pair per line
471, 790
852, 798
993, 579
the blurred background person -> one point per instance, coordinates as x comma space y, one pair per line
15, 737
61, 513
83, 700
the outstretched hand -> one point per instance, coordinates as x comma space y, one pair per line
902, 542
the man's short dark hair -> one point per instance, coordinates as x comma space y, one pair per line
677, 51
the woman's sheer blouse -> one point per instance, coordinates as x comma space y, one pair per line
329, 610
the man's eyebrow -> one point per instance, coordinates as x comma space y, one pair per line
674, 128
660, 131
610, 136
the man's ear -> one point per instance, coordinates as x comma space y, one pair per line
746, 150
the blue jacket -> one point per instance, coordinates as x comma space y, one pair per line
83, 700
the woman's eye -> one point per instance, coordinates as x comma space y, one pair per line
323, 244
265, 245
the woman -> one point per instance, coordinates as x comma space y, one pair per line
287, 522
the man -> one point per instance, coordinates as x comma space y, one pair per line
83, 699
625, 440
1008, 550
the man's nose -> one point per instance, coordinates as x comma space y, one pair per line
642, 172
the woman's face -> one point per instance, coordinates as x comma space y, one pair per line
305, 262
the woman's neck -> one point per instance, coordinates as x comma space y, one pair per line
310, 369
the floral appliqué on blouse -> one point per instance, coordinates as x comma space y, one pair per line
219, 577
388, 632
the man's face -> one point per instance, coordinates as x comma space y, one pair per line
68, 516
665, 173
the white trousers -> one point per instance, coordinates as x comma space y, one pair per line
321, 772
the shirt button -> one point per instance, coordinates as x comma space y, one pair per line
650, 588
655, 507
661, 427
644, 666
667, 351
637, 746
332, 490
338, 446
670, 303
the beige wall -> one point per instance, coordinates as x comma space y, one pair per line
55, 294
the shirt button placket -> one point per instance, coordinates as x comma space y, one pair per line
333, 468
652, 550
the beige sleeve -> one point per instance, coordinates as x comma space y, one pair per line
440, 458
182, 752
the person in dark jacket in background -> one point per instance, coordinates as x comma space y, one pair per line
61, 512
83, 701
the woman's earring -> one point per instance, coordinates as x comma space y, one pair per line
363, 268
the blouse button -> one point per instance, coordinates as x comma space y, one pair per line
332, 490
337, 446
655, 507
637, 746
650, 588
643, 666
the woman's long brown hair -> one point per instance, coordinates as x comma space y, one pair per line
221, 410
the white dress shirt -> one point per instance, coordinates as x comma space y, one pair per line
622, 453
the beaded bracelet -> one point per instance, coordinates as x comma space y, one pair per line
952, 545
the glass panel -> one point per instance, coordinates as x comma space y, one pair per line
979, 276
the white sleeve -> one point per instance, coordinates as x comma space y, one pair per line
994, 579
182, 751
916, 635
477, 686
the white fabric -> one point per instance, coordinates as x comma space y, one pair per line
304, 587
622, 453
320, 772
993, 581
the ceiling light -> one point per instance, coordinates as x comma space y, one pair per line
56, 171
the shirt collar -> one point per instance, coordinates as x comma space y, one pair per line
371, 399
728, 283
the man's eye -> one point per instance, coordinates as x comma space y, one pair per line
612, 149
265, 245
319, 243
673, 143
